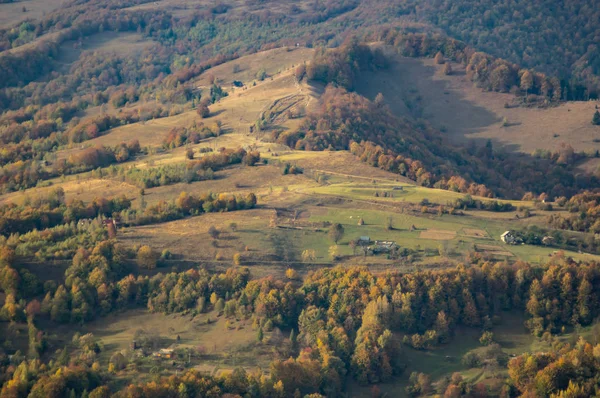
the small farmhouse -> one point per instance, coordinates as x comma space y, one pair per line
509, 238
383, 246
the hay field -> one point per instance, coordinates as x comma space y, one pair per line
475, 233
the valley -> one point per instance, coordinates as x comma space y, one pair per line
295, 199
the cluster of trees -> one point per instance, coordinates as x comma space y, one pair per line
376, 156
563, 155
187, 205
32, 133
34, 378
60, 242
85, 160
197, 170
574, 286
566, 370
342, 66
50, 227
95, 157
585, 214
34, 122
163, 175
26, 174
487, 71
180, 136
468, 202
225, 157
51, 210
21, 175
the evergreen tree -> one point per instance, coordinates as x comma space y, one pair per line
293, 339
260, 335
596, 118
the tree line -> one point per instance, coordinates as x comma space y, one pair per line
347, 320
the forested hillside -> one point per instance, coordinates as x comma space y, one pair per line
553, 36
198, 200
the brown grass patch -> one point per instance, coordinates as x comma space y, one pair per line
340, 164
494, 250
437, 234
189, 237
272, 61
223, 348
84, 189
489, 248
500, 253
122, 44
475, 233
444, 100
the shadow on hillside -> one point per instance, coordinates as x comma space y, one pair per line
410, 90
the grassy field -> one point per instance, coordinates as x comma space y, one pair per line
336, 188
245, 68
121, 44
342, 198
12, 13
210, 343
434, 237
236, 112
441, 362
418, 88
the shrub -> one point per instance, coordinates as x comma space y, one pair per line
146, 257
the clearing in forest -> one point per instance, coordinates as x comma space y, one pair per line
419, 89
